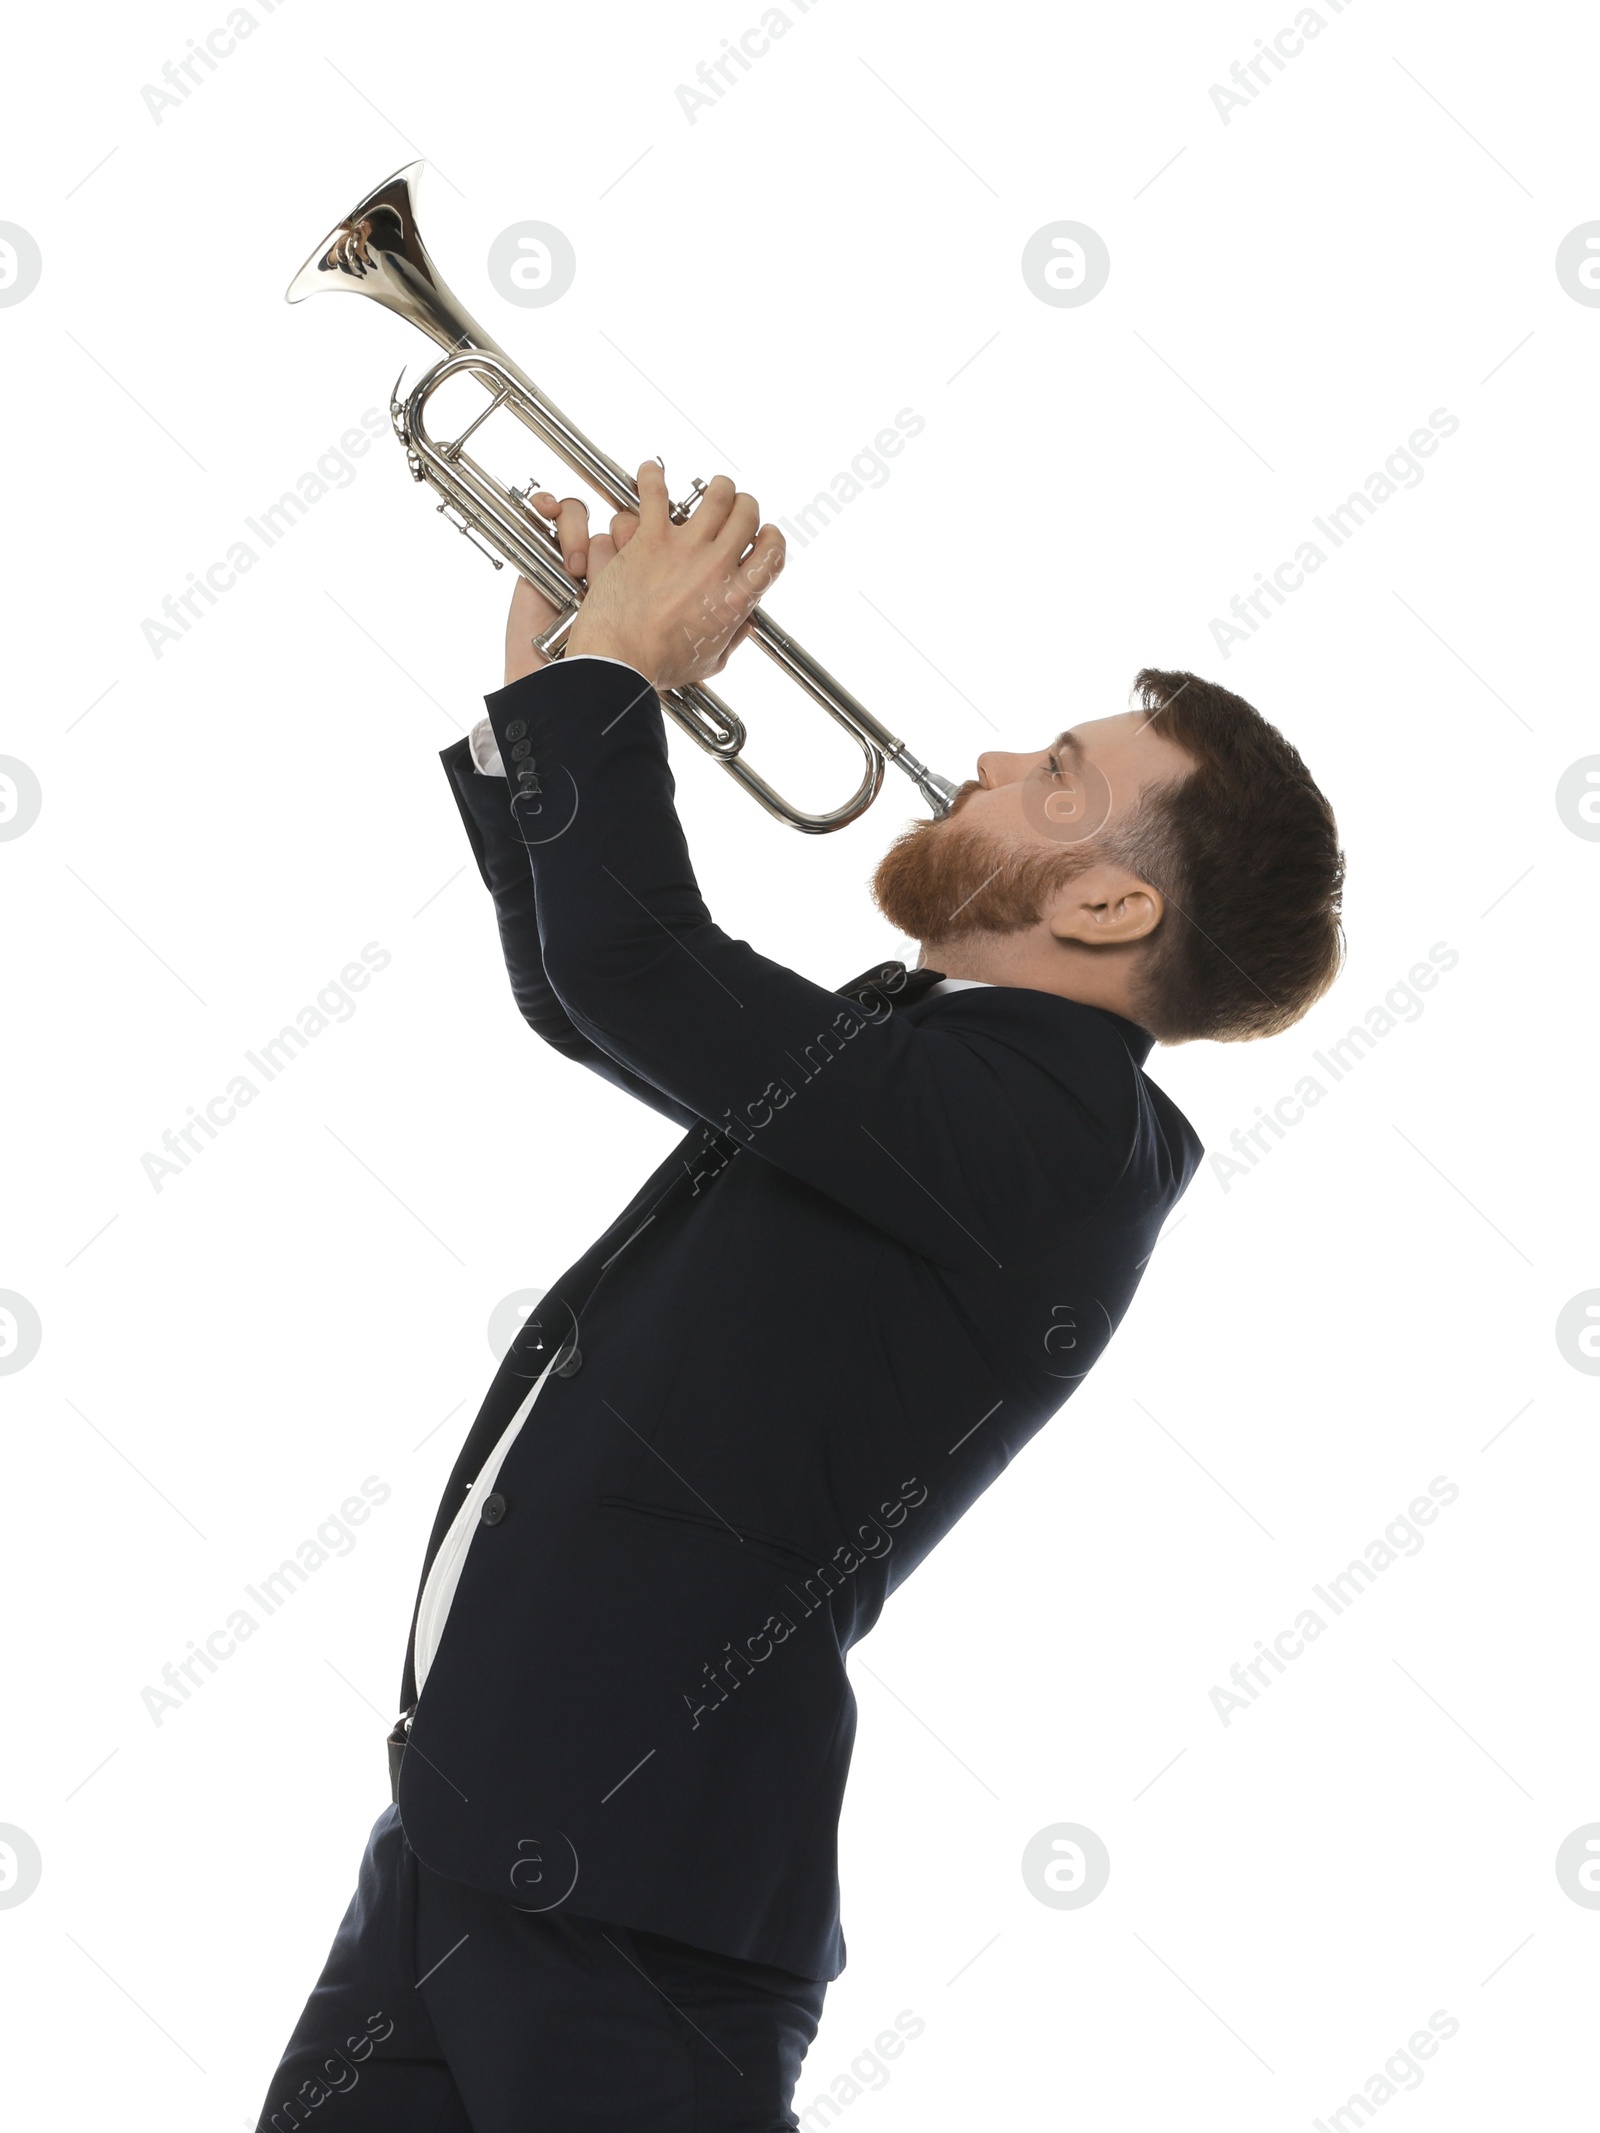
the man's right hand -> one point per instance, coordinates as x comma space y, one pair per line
673, 601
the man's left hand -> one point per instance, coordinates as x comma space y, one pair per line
531, 613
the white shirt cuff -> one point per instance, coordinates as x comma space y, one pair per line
485, 752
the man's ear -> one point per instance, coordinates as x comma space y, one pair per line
1106, 907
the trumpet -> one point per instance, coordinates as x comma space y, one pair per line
377, 251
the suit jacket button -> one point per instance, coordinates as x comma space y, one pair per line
570, 1365
521, 749
494, 1509
517, 728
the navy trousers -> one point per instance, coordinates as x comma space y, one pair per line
442, 2009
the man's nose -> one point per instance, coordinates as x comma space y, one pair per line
997, 769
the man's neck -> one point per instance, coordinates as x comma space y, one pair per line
1013, 959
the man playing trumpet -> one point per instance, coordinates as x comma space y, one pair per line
904, 1219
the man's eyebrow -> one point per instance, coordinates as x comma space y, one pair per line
1067, 743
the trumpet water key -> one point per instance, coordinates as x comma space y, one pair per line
377, 251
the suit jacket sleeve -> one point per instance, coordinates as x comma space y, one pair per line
503, 862
954, 1140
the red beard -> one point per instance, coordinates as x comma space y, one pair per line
947, 879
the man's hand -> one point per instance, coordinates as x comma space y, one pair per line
677, 606
531, 613
673, 601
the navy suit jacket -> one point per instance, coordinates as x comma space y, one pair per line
888, 1247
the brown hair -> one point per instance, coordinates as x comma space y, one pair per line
1246, 855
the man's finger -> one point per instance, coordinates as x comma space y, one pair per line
738, 528
710, 515
765, 560
572, 531
601, 551
570, 518
653, 504
623, 527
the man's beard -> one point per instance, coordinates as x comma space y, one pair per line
946, 880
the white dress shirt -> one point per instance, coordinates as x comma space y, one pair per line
444, 1573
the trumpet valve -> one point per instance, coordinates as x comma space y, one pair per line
681, 511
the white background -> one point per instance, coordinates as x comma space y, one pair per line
224, 1360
